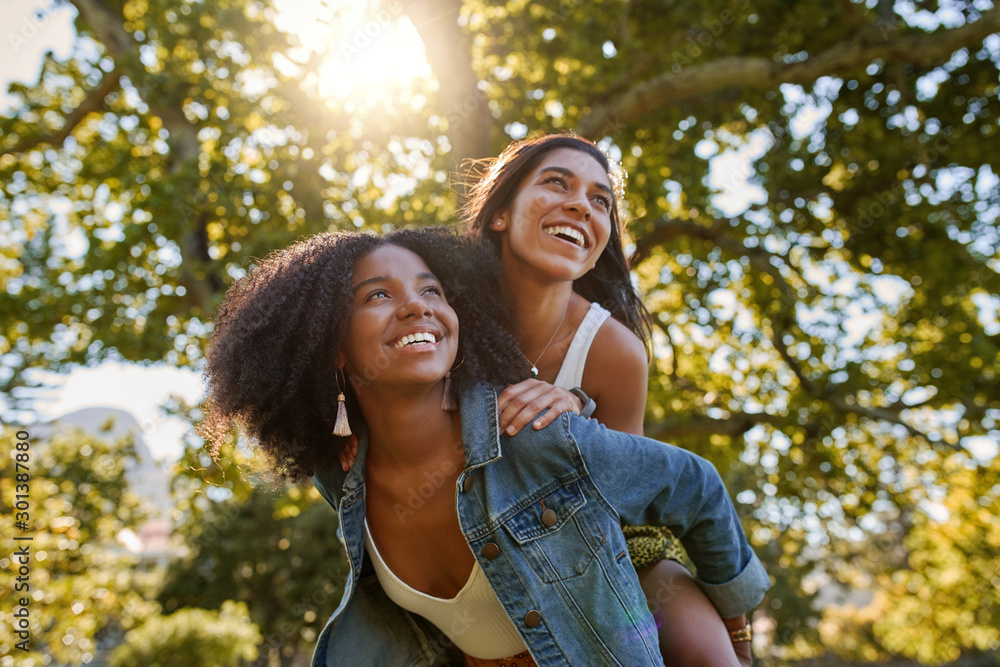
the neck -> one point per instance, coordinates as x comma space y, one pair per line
407, 428
539, 308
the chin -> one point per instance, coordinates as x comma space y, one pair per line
566, 271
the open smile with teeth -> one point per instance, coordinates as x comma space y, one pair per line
420, 338
567, 234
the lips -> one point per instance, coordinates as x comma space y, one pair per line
417, 338
567, 233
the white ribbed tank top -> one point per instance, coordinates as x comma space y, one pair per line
571, 371
474, 619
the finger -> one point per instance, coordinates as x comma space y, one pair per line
522, 418
514, 398
554, 411
513, 391
552, 399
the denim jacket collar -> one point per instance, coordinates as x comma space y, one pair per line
480, 426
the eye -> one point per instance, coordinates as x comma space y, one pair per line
376, 294
558, 180
603, 201
435, 290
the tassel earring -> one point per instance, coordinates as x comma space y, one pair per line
448, 401
341, 427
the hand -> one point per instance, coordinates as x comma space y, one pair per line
519, 403
349, 452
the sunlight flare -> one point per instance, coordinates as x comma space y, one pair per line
363, 52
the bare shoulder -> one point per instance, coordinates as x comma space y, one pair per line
616, 377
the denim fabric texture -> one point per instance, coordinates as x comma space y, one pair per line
575, 573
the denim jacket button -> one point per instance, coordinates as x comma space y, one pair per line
549, 517
491, 550
467, 484
533, 619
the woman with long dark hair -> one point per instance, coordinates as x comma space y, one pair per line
550, 208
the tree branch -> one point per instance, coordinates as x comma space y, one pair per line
105, 24
93, 102
755, 73
449, 52
108, 27
666, 230
734, 426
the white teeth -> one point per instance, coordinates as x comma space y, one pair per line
420, 337
566, 231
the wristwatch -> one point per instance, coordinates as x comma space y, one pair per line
588, 403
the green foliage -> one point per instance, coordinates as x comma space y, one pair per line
84, 588
273, 549
225, 638
831, 343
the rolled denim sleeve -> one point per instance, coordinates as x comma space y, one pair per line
740, 594
648, 482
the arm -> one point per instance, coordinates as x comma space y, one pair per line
616, 377
664, 485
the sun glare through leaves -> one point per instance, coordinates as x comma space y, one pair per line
353, 51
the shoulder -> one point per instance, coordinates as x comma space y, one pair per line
616, 377
617, 352
618, 339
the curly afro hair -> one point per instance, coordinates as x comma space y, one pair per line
273, 355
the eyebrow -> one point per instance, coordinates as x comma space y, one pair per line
567, 172
384, 279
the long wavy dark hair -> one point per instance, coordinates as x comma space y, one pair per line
273, 355
494, 185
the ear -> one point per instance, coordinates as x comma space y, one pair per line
341, 361
499, 222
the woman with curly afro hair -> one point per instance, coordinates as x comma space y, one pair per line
273, 358
465, 545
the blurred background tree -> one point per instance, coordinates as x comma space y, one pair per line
192, 637
87, 593
85, 588
813, 203
274, 550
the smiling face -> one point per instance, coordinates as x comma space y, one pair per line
560, 219
401, 330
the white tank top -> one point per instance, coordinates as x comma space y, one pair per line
474, 619
571, 372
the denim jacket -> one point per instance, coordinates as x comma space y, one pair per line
568, 585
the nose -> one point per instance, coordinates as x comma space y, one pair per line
577, 202
414, 306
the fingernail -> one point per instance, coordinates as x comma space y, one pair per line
510, 430
537, 425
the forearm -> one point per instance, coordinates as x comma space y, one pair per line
683, 492
739, 634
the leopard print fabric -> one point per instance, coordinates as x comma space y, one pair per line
648, 545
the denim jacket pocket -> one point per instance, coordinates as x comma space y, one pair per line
556, 532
